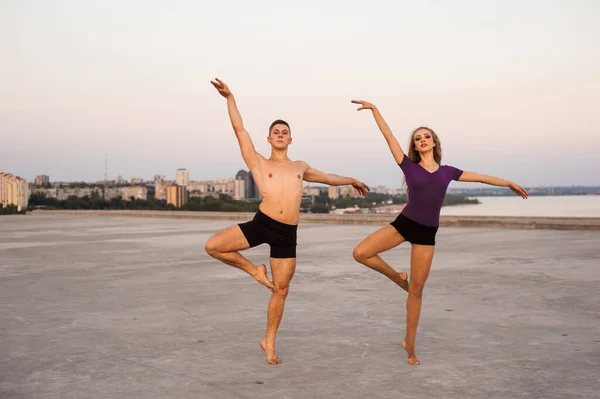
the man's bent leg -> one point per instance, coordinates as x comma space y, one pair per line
225, 245
282, 271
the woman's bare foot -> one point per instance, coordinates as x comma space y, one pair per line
402, 281
272, 358
261, 276
412, 357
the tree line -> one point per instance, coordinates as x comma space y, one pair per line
10, 209
323, 204
224, 203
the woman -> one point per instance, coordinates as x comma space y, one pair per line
427, 181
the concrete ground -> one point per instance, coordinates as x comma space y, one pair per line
109, 307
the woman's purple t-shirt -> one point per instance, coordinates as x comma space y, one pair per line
426, 191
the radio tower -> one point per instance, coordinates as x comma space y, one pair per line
105, 170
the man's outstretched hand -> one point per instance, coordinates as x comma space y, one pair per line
361, 187
520, 191
221, 87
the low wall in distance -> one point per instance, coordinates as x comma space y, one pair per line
509, 222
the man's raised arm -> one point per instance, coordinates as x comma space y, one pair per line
248, 152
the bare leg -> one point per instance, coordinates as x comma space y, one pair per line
282, 271
367, 253
420, 264
225, 245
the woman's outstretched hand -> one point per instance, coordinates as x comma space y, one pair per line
363, 105
221, 87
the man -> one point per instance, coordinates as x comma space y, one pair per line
279, 181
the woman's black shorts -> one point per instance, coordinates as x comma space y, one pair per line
414, 232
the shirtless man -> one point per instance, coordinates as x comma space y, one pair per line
279, 181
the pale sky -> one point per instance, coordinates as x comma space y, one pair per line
511, 87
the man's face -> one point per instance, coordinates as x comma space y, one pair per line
280, 136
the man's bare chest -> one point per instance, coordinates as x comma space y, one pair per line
282, 176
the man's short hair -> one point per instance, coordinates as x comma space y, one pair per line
280, 122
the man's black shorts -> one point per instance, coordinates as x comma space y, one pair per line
281, 237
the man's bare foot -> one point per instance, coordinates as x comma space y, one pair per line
412, 357
261, 276
272, 358
402, 281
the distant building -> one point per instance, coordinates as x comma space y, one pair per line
182, 177
137, 192
241, 182
160, 188
177, 195
135, 180
224, 186
199, 186
13, 191
309, 194
308, 198
197, 194
333, 193
239, 190
348, 191
381, 190
64, 193
119, 179
110, 193
311, 191
42, 180
252, 192
250, 188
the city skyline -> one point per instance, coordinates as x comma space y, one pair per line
509, 95
134, 180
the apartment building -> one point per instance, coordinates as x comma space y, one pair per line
137, 192
13, 191
177, 195
160, 189
182, 177
42, 180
